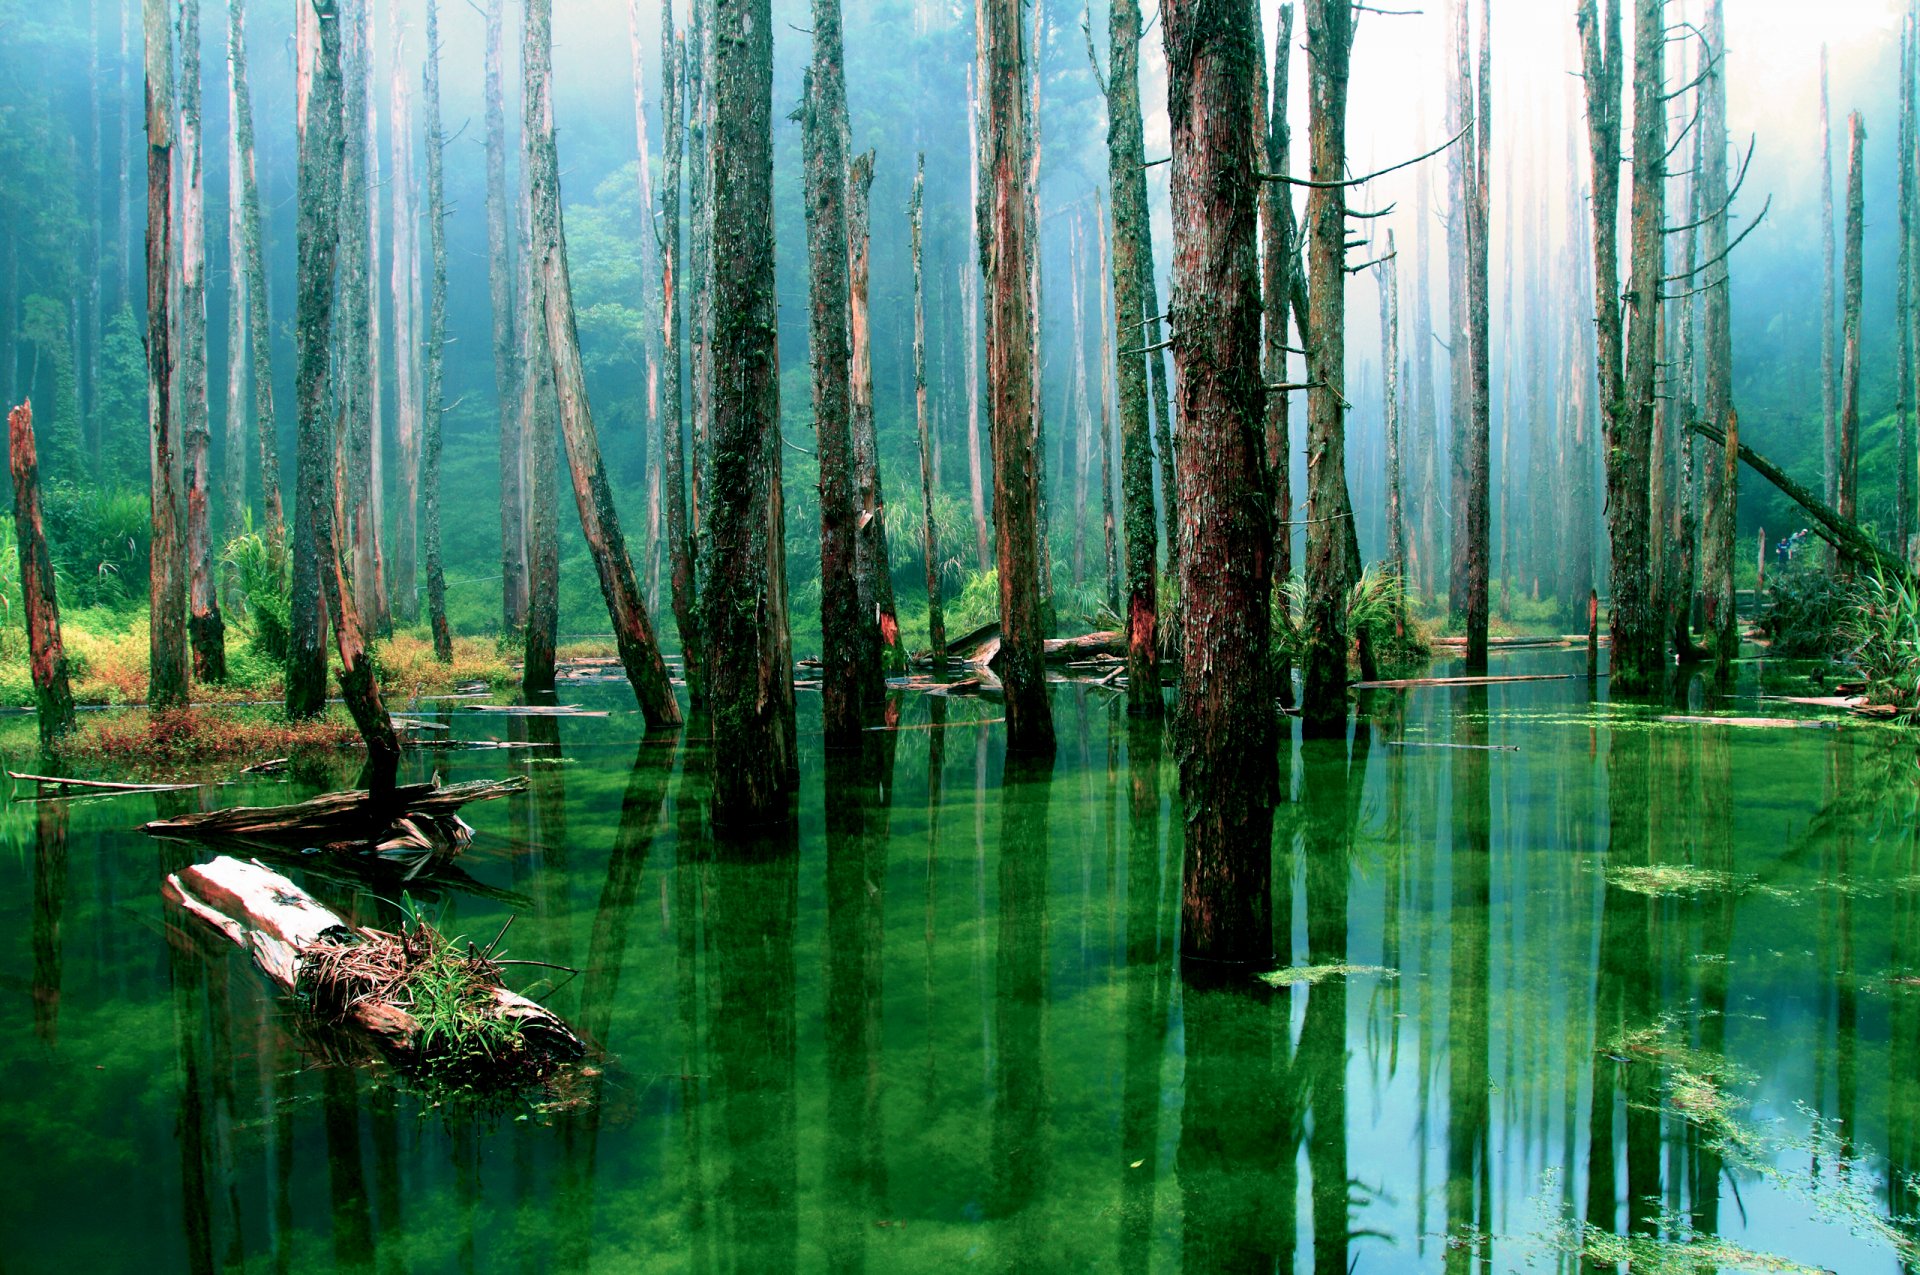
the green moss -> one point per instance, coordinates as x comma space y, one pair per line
1309, 975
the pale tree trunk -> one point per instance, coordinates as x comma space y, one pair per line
592, 493
870, 502
1460, 171
167, 597
1905, 369
354, 374
1043, 534
1478, 434
370, 524
936, 622
1227, 737
234, 439
259, 334
1330, 569
1425, 411
1010, 381
1279, 255
513, 459
1829, 301
1718, 542
851, 684
540, 457
1083, 412
1104, 316
1390, 364
673, 343
204, 626
970, 294
1848, 504
405, 287
697, 94
40, 609
1132, 233
743, 597
430, 442
649, 246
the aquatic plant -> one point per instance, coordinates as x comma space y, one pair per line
1312, 975
1375, 606
1883, 633
1804, 610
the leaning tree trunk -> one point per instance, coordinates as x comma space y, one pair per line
936, 621
430, 442
205, 629
40, 609
1227, 736
259, 335
1330, 568
1010, 383
1848, 503
405, 286
1718, 540
870, 519
1280, 255
1126, 155
167, 593
592, 493
513, 460
851, 681
673, 344
743, 599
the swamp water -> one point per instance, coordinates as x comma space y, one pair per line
1611, 986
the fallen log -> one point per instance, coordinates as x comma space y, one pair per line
1759, 723
428, 1005
93, 785
536, 710
1401, 683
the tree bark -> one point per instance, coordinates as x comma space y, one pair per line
1126, 155
1083, 403
167, 598
1227, 719
592, 493
1479, 440
1104, 315
1718, 542
234, 441
686, 610
1848, 501
513, 460
430, 441
1279, 266
970, 292
1390, 365
540, 455
206, 631
936, 621
870, 513
698, 85
356, 387
1460, 201
1903, 340
1005, 252
405, 286
1829, 297
40, 609
851, 681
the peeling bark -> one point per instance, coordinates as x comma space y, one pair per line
870, 500
205, 630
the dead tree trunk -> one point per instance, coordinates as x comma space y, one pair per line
205, 630
871, 556
1479, 438
970, 293
1227, 747
1126, 157
698, 92
744, 599
851, 681
673, 343
1718, 544
1390, 365
592, 493
936, 622
1905, 351
259, 334
405, 286
513, 461
1460, 199
234, 441
649, 247
1010, 381
430, 441
1104, 313
39, 608
1425, 413
1083, 409
1331, 568
1849, 485
1279, 264
1829, 297
353, 372
541, 456
167, 597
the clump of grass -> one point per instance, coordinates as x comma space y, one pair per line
1670, 880
1377, 606
1678, 1250
1804, 610
406, 665
176, 740
1311, 975
1883, 632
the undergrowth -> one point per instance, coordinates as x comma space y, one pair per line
176, 740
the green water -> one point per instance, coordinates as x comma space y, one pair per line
942, 1024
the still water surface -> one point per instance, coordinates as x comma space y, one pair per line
942, 1025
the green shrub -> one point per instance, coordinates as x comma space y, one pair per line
1805, 610
261, 569
1883, 630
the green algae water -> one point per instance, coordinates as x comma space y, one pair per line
1561, 986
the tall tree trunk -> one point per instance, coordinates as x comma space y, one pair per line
936, 622
870, 500
259, 334
1104, 314
649, 267
430, 442
1479, 440
1848, 503
1010, 382
234, 441
1280, 255
1718, 542
1043, 534
1829, 299
513, 460
40, 609
167, 597
1390, 365
1426, 413
1126, 155
970, 292
699, 91
370, 522
851, 682
592, 493
1083, 411
1460, 201
357, 393
1227, 720
540, 456
405, 286
673, 343
1905, 369
743, 600
1330, 568
205, 629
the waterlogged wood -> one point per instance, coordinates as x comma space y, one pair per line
1755, 723
277, 922
1401, 683
538, 710
40, 608
355, 815
93, 785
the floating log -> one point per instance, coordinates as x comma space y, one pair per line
537, 710
1762, 723
1401, 683
357, 977
93, 785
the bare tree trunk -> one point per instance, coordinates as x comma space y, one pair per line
353, 374
167, 646
405, 286
673, 344
1425, 413
513, 458
205, 629
1126, 155
851, 681
1848, 503
259, 334
1460, 201
234, 440
1390, 365
1043, 534
1718, 542
1829, 298
436, 347
1227, 718
871, 557
936, 621
1083, 412
744, 620
1104, 313
1479, 438
970, 292
1279, 265
1905, 369
649, 267
40, 609
540, 459
370, 524
1010, 382
592, 493
698, 92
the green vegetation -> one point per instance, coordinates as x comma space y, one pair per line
1375, 606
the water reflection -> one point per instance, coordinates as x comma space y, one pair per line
943, 1022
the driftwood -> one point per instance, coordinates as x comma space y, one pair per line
1401, 683
288, 932
93, 785
536, 710
982, 646
1763, 723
